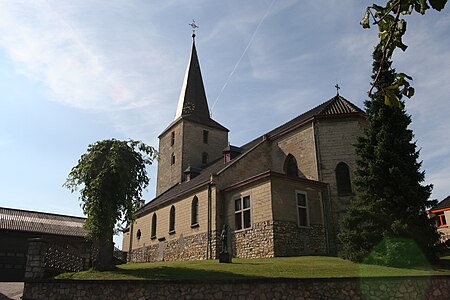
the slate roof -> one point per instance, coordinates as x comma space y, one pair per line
334, 107
192, 104
40, 222
443, 204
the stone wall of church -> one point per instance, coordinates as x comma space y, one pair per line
169, 174
289, 237
183, 226
336, 138
256, 241
252, 163
299, 143
194, 146
291, 240
191, 247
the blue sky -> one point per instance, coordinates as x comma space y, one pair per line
74, 72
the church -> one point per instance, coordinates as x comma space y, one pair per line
281, 194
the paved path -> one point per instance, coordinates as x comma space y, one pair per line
11, 290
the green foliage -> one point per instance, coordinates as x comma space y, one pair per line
112, 175
391, 29
391, 201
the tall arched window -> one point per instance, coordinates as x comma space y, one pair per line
194, 211
344, 185
290, 166
154, 220
172, 219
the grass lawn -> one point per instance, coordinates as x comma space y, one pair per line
281, 267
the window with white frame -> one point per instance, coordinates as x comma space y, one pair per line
242, 213
302, 209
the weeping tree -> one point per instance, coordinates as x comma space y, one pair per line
110, 178
386, 223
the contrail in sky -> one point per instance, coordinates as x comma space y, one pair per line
243, 53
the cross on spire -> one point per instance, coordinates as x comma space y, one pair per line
337, 89
194, 26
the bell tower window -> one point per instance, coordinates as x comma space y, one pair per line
205, 136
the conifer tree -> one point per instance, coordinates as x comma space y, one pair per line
386, 223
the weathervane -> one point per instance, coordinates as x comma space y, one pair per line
337, 89
194, 26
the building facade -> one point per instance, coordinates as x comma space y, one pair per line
281, 194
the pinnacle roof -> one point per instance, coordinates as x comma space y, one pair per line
192, 104
40, 222
443, 204
334, 107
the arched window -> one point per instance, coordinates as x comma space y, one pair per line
194, 211
172, 219
344, 185
290, 166
138, 234
204, 158
154, 220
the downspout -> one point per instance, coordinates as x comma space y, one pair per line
208, 223
131, 241
325, 224
316, 145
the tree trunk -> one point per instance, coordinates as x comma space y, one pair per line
105, 260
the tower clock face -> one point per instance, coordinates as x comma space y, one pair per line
188, 108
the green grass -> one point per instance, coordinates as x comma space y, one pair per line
282, 267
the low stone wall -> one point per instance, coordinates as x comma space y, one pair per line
416, 287
191, 247
290, 240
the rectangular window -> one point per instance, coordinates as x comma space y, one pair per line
172, 159
242, 213
172, 138
205, 136
441, 222
302, 209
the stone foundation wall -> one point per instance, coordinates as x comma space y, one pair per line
256, 242
355, 288
191, 247
290, 240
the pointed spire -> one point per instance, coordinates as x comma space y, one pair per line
192, 101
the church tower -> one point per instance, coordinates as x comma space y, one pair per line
193, 139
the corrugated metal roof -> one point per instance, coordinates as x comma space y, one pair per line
40, 222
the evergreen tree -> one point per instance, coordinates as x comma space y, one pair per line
386, 223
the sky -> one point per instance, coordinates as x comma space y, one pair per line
76, 72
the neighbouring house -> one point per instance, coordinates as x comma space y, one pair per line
441, 215
17, 226
281, 194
